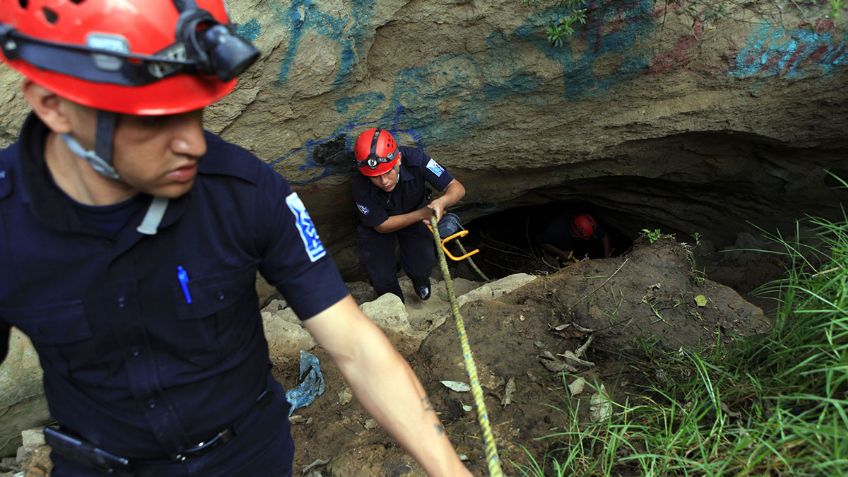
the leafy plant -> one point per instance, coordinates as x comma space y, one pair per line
574, 14
565, 27
835, 8
656, 234
696, 236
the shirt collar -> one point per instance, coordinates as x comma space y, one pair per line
44, 197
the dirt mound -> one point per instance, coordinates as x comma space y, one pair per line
522, 344
654, 294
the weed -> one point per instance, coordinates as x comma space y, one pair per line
835, 8
773, 404
656, 234
574, 13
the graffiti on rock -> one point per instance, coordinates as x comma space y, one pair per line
775, 51
250, 30
602, 53
301, 16
453, 93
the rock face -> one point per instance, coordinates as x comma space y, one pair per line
22, 402
693, 115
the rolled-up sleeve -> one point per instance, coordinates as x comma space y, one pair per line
293, 259
435, 173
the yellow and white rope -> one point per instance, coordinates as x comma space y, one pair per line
492, 459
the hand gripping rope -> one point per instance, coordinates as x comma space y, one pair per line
492, 459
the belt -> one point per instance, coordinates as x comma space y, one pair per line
225, 435
74, 448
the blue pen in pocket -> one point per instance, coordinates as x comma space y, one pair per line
182, 276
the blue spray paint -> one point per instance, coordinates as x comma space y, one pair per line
304, 15
250, 30
435, 101
611, 33
774, 51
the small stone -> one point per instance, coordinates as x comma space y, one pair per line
297, 419
508, 392
33, 438
370, 424
345, 396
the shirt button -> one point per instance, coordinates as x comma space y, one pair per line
220, 296
122, 302
136, 352
151, 404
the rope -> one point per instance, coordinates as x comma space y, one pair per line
492, 459
471, 262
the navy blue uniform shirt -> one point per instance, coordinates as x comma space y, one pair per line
128, 362
417, 169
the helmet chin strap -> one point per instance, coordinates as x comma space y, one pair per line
101, 158
101, 161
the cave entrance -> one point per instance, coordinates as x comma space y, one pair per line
510, 241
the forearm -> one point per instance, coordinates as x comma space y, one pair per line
388, 389
397, 222
453, 193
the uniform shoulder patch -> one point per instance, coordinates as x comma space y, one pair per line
363, 209
311, 242
435, 168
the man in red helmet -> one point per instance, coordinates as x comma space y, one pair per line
394, 205
129, 244
570, 238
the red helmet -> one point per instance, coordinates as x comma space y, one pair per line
143, 57
583, 226
376, 152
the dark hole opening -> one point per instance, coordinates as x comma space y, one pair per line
333, 153
510, 240
23, 3
836, 178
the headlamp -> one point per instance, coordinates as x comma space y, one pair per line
214, 46
372, 161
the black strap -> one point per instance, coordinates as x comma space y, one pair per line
373, 152
105, 135
80, 61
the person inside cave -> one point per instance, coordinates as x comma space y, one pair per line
571, 238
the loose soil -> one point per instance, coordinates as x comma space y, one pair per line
648, 299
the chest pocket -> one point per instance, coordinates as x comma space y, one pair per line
216, 293
60, 332
56, 324
221, 319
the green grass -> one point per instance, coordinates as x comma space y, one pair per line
774, 404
